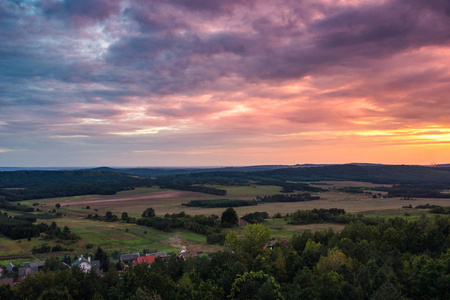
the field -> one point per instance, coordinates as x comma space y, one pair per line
169, 201
131, 238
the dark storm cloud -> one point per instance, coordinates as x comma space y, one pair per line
81, 12
279, 46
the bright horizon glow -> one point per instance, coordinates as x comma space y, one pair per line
224, 83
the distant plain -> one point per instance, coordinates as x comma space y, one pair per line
112, 236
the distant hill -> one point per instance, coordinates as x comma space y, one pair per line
371, 173
157, 172
383, 174
39, 168
24, 185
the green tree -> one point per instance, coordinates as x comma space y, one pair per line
332, 262
6, 292
229, 217
53, 294
255, 237
148, 213
53, 264
255, 285
101, 256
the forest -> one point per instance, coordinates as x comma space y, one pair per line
24, 185
394, 259
408, 181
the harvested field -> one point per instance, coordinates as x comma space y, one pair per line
153, 196
134, 238
170, 201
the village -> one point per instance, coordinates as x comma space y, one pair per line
12, 274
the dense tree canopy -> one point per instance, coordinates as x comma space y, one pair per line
394, 259
148, 213
229, 217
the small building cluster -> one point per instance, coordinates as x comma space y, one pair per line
136, 258
84, 263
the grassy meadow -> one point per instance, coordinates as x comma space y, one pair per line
126, 238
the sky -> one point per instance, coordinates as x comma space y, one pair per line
223, 83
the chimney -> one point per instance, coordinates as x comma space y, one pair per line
89, 259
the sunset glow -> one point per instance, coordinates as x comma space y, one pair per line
212, 83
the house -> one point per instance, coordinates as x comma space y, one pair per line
29, 268
9, 281
23, 272
272, 243
127, 258
37, 264
87, 265
162, 255
9, 267
144, 260
184, 254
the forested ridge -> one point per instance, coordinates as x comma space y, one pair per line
409, 181
24, 185
382, 174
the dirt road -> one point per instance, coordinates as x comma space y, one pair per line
157, 195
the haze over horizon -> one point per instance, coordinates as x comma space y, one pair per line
223, 83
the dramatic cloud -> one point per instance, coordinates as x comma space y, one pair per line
223, 82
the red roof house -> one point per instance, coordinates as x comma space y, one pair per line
144, 260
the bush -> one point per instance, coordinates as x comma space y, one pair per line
216, 238
256, 217
58, 248
42, 249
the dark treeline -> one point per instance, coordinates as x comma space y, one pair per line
17, 228
17, 207
158, 172
290, 187
440, 210
218, 178
220, 203
287, 198
382, 174
233, 178
110, 217
195, 188
21, 228
419, 191
256, 217
24, 185
199, 224
362, 190
394, 259
322, 215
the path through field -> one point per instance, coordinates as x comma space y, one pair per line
157, 195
